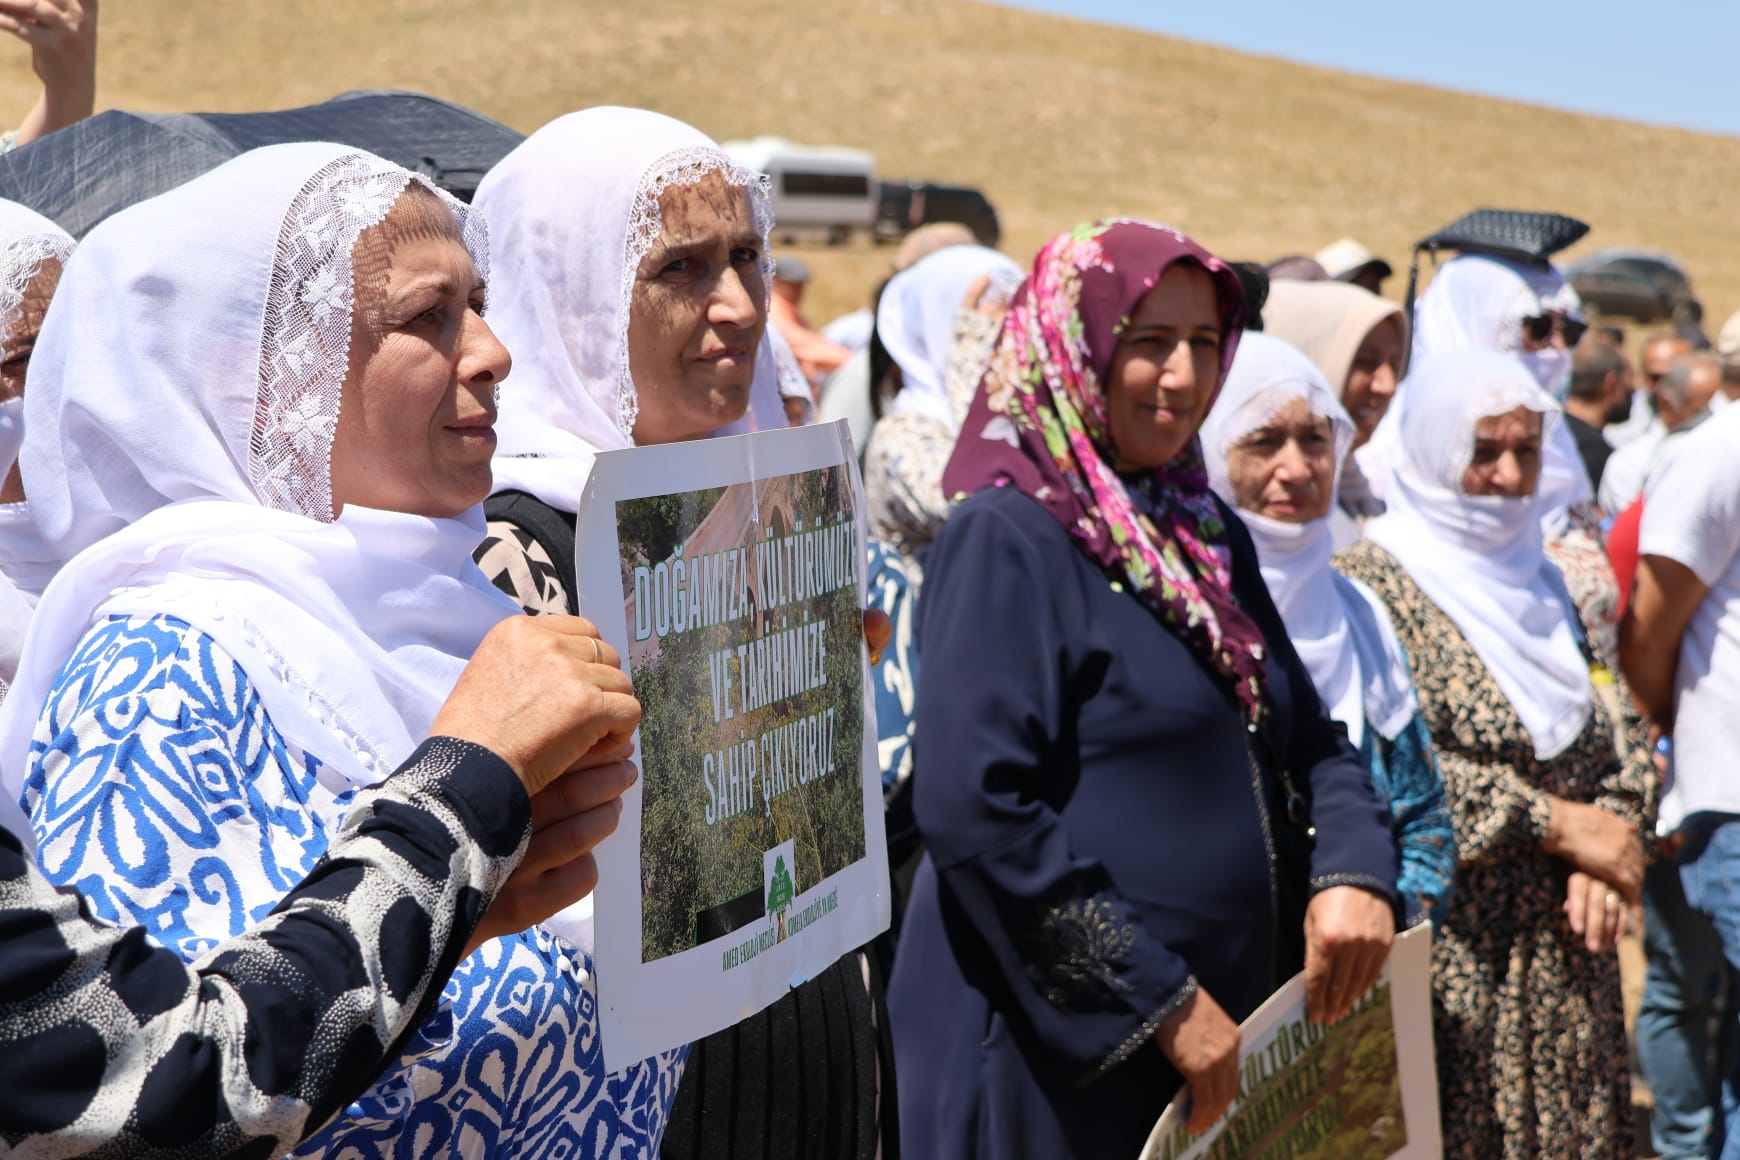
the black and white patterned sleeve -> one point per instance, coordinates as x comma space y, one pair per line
111, 1045
519, 566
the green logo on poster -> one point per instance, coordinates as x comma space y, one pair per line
779, 894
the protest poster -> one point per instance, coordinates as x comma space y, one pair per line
729, 573
1363, 1089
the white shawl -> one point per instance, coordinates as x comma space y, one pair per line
916, 322
182, 403
1480, 558
1339, 627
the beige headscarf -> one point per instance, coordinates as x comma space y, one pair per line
1329, 321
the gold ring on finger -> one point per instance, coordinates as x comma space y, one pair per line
598, 659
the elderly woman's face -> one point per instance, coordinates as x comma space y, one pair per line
697, 314
1285, 469
1507, 455
1370, 385
1166, 369
416, 427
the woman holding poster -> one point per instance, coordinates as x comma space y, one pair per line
630, 273
261, 616
1139, 820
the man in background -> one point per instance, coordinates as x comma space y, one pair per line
1600, 395
1348, 260
1682, 401
1728, 351
1659, 353
1679, 643
818, 357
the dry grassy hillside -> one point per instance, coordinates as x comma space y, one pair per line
1056, 119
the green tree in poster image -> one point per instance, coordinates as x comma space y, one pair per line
688, 865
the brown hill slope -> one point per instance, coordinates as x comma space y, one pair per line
1057, 119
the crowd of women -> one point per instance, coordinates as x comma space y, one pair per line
1217, 656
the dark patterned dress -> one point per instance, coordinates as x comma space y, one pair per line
1530, 1033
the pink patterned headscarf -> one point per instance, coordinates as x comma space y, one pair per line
1038, 423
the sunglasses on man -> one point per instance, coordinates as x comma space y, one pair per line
1540, 327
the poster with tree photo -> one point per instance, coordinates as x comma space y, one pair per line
750, 854
1365, 1088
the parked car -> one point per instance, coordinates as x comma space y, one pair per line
825, 189
906, 205
1634, 284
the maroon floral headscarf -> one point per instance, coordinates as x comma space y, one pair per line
1038, 423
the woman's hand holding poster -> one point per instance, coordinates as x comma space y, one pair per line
1365, 1088
751, 853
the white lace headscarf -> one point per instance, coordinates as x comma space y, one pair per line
27, 241
182, 403
1339, 627
572, 211
1481, 558
916, 322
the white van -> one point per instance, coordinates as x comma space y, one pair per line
816, 189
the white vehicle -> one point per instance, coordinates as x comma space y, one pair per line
816, 189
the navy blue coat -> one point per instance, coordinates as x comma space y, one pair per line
1101, 835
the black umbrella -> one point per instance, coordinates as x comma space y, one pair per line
81, 174
1531, 238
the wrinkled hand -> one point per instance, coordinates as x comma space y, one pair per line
1599, 844
878, 633
1348, 932
545, 695
1596, 911
1203, 1044
570, 817
62, 35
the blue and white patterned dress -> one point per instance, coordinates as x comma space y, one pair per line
159, 787
895, 680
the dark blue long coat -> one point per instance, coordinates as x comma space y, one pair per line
1102, 836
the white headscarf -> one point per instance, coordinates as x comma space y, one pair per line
1480, 558
183, 398
1338, 626
1478, 302
916, 321
572, 211
27, 240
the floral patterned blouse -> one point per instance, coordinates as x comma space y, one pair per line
904, 460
